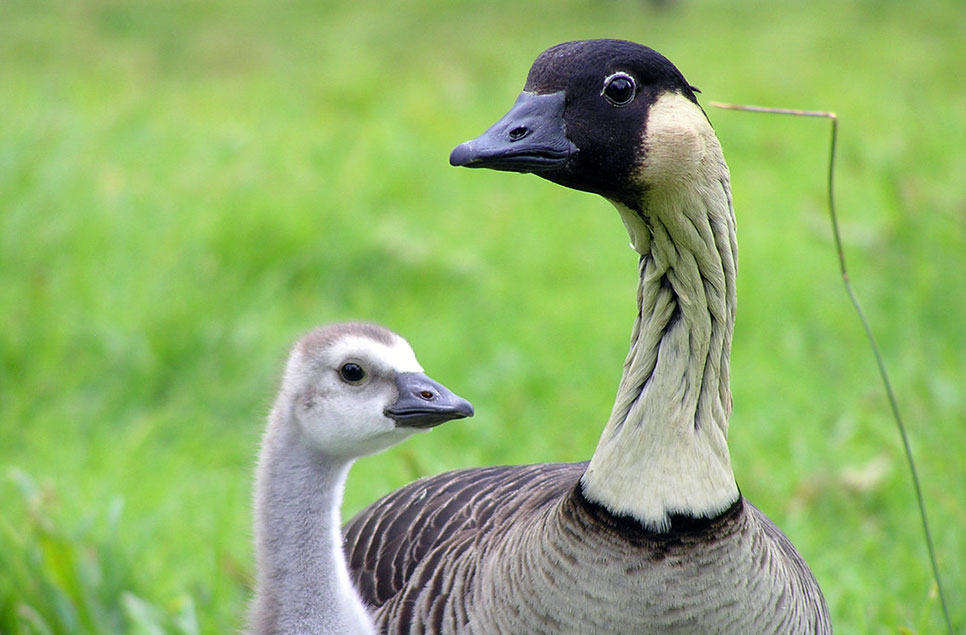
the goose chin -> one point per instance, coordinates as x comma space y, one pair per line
425, 419
535, 160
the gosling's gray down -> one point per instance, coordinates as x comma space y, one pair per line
651, 535
349, 390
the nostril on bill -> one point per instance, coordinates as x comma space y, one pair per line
518, 133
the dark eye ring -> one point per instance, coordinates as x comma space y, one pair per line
619, 89
352, 373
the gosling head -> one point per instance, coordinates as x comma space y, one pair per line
355, 389
592, 116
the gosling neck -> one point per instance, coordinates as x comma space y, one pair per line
664, 450
302, 582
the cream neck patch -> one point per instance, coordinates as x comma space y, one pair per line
664, 450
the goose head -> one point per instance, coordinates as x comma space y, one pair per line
356, 389
605, 116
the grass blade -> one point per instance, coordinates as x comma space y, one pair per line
893, 404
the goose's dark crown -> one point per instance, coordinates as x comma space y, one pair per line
567, 128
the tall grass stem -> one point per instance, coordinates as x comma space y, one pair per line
865, 324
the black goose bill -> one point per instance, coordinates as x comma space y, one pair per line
529, 138
425, 403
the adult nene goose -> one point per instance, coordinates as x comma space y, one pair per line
652, 535
349, 390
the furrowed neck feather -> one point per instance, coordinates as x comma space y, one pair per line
664, 450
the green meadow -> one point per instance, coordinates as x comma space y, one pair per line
186, 187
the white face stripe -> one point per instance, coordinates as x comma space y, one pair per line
340, 419
398, 358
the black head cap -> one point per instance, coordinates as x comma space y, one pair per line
608, 136
607, 88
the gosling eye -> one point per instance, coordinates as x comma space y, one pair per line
619, 89
352, 373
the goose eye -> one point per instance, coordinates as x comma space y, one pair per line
352, 373
619, 89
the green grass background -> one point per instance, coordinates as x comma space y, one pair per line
185, 187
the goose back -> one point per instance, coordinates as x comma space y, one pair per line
465, 552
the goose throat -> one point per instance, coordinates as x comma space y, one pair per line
664, 450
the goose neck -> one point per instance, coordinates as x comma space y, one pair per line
303, 583
664, 450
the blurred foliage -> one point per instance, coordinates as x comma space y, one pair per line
72, 580
185, 187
